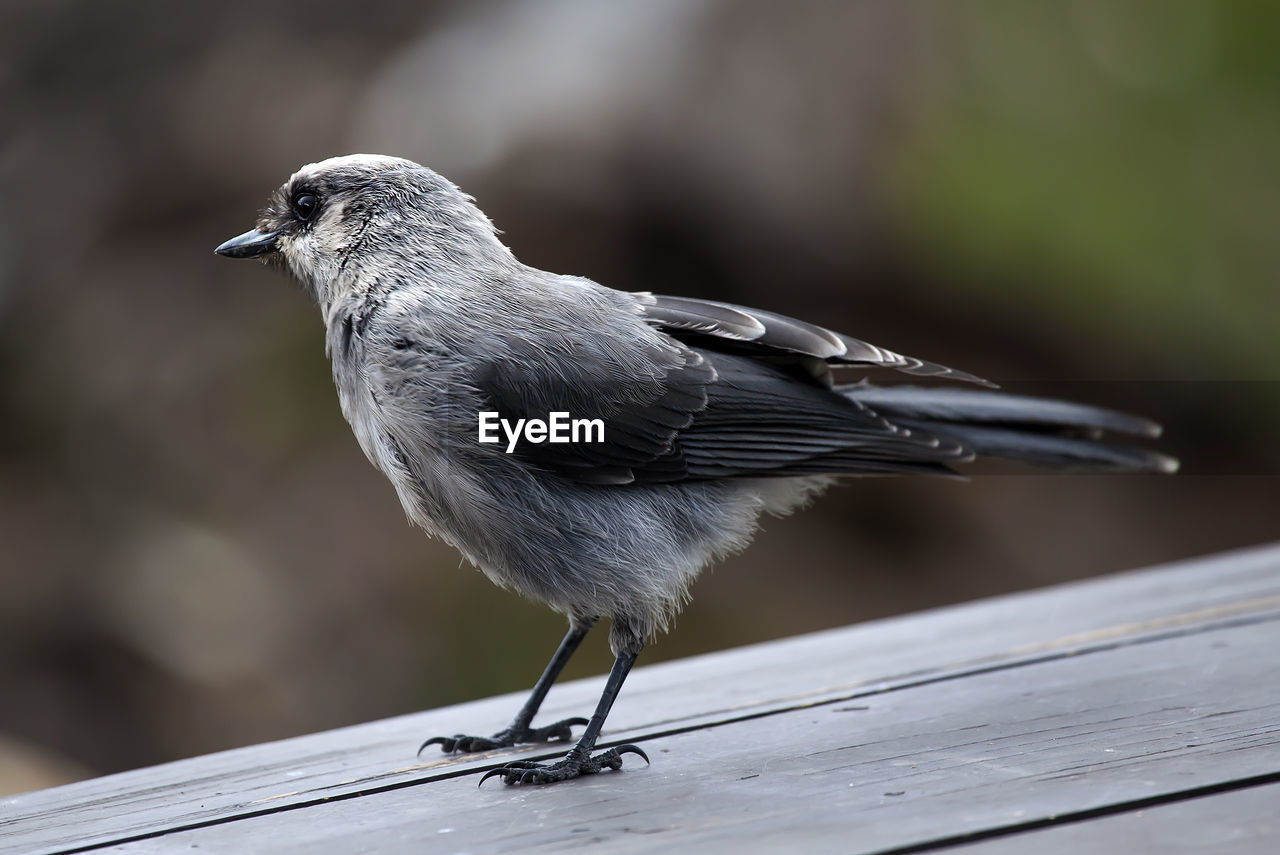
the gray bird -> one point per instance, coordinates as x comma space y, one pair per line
712, 414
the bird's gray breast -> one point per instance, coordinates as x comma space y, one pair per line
406, 397
359, 402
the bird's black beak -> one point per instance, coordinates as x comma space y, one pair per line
251, 244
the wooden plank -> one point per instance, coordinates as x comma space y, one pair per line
690, 693
892, 773
1242, 822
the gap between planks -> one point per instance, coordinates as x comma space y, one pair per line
1071, 817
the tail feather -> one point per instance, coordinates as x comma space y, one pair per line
1040, 431
975, 407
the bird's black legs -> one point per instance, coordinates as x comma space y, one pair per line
579, 760
519, 730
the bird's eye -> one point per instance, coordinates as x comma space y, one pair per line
305, 206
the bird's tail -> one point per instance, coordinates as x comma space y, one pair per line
1041, 431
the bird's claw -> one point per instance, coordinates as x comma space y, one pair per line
462, 743
572, 766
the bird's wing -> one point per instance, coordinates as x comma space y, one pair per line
643, 399
693, 414
766, 334
761, 420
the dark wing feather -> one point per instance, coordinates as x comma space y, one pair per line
642, 410
761, 421
766, 333
711, 415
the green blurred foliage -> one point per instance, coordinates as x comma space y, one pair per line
1123, 152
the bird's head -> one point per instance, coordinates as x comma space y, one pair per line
335, 220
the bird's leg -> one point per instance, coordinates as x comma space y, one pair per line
579, 760
519, 731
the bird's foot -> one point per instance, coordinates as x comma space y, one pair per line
559, 731
574, 765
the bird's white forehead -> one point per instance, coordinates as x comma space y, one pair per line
353, 162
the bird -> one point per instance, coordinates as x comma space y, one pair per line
712, 413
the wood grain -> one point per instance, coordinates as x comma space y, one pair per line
980, 716
900, 769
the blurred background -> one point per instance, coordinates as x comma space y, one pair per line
1072, 198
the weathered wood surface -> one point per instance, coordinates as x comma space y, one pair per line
1057, 719
1238, 822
